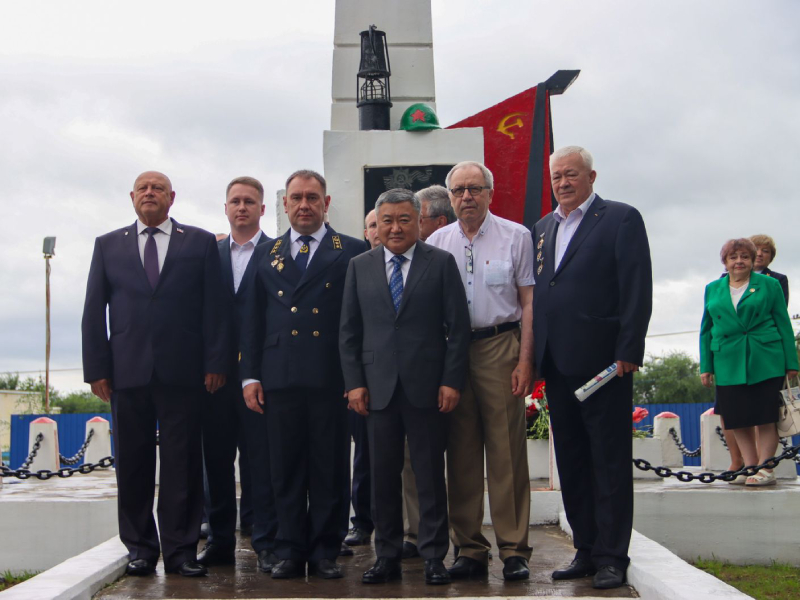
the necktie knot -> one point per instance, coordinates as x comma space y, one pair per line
151, 231
398, 260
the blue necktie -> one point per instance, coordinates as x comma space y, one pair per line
151, 257
396, 281
305, 251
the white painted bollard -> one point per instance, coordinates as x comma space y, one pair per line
46, 458
100, 446
555, 480
714, 456
671, 455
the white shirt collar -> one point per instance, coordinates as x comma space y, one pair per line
559, 215
484, 226
253, 240
317, 235
388, 254
165, 227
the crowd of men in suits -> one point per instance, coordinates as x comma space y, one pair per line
431, 336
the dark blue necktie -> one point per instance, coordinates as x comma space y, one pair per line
396, 281
305, 251
151, 256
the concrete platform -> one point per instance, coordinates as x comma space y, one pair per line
551, 549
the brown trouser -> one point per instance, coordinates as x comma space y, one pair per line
489, 416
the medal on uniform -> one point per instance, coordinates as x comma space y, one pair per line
277, 263
304, 248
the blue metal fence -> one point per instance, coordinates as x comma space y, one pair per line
71, 433
690, 425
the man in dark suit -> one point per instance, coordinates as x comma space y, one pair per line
170, 336
227, 422
592, 305
290, 367
404, 342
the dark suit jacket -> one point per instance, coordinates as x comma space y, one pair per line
595, 309
292, 333
177, 332
424, 345
782, 279
236, 296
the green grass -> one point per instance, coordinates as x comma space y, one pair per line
775, 582
8, 579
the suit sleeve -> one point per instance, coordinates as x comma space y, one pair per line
456, 315
351, 333
217, 314
635, 279
706, 356
251, 334
94, 328
784, 281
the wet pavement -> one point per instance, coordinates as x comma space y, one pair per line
551, 549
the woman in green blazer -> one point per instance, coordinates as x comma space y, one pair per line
747, 346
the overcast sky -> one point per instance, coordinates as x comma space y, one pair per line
691, 109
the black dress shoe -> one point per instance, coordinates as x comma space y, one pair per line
140, 566
384, 570
466, 567
288, 568
266, 561
246, 530
435, 573
326, 568
515, 568
191, 568
205, 530
410, 550
214, 554
580, 567
345, 550
357, 537
608, 577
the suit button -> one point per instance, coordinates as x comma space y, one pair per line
295, 332
315, 311
552, 283
294, 309
280, 292
315, 334
327, 285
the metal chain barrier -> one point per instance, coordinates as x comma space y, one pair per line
684, 450
79, 454
785, 444
65, 472
686, 476
721, 436
34, 451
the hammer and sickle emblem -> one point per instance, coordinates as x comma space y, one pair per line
506, 124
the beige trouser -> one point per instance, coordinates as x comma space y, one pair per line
489, 417
410, 501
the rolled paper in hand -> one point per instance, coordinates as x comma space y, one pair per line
596, 382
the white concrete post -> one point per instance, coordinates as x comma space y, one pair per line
46, 458
671, 456
555, 480
100, 446
714, 455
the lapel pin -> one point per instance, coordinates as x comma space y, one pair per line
752, 290
179, 230
126, 232
539, 270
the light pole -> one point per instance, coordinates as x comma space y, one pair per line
49, 250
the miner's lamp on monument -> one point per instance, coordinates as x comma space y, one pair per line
373, 98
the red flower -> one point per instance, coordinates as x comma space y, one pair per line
538, 390
639, 414
530, 411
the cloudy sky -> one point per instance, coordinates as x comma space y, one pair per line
692, 110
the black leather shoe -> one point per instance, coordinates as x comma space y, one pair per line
326, 568
384, 570
345, 550
191, 568
466, 567
288, 569
410, 550
435, 573
214, 554
515, 568
246, 530
580, 567
266, 561
608, 577
140, 566
205, 530
357, 537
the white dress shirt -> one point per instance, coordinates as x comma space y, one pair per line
240, 257
162, 240
502, 262
567, 225
405, 266
312, 245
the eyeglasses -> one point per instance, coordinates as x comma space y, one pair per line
469, 258
474, 190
